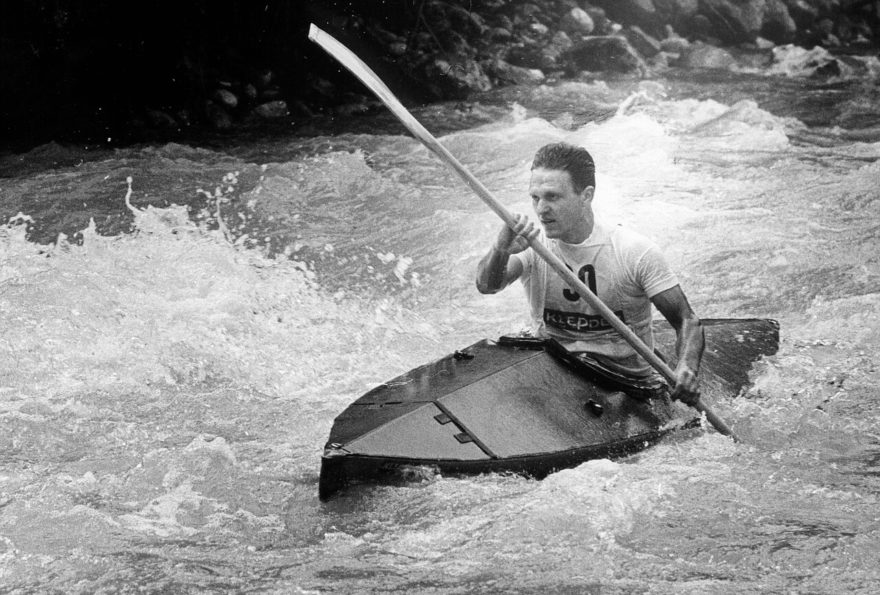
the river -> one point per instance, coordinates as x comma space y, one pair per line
165, 392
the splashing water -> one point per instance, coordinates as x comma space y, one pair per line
166, 391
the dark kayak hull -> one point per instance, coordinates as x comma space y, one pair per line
516, 407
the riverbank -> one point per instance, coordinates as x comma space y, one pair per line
100, 75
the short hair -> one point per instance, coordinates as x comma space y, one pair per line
577, 161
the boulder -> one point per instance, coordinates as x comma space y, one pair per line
539, 29
561, 42
226, 98
677, 13
577, 22
500, 34
802, 12
703, 55
643, 43
677, 9
778, 26
534, 56
397, 48
455, 77
604, 54
217, 116
272, 109
633, 12
700, 28
464, 20
507, 73
673, 43
601, 22
734, 21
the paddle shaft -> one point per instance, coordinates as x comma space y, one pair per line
369, 78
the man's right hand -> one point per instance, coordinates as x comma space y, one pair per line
515, 240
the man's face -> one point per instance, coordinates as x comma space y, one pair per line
564, 213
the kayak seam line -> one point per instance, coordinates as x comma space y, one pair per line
465, 429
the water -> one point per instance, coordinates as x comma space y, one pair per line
166, 391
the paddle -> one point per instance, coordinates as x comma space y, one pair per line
375, 84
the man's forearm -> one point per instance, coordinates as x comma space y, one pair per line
492, 270
690, 343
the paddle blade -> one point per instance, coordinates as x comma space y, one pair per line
369, 78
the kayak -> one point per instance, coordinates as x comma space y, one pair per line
523, 405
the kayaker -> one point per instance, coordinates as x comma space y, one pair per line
625, 269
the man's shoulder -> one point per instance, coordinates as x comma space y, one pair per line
627, 238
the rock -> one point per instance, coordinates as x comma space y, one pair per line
643, 43
829, 69
505, 72
831, 41
217, 116
633, 12
324, 88
385, 36
734, 21
226, 98
802, 12
601, 22
676, 12
778, 26
534, 56
701, 28
577, 22
160, 119
539, 28
661, 61
464, 20
504, 22
500, 34
250, 91
455, 77
561, 42
397, 48
529, 10
674, 43
703, 55
604, 54
764, 44
272, 109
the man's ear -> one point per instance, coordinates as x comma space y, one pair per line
587, 194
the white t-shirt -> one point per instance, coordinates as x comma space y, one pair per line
624, 268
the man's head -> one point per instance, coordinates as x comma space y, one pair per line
561, 186
577, 161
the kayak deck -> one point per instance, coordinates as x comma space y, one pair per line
516, 408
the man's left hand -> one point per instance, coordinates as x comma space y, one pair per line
687, 385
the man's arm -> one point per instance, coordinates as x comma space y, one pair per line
689, 344
497, 270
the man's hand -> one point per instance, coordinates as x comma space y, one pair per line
687, 385
497, 270
515, 240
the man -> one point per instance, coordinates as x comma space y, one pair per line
626, 271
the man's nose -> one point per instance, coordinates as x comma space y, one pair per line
541, 207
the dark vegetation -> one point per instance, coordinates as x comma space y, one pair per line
111, 72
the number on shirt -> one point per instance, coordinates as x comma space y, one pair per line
587, 275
